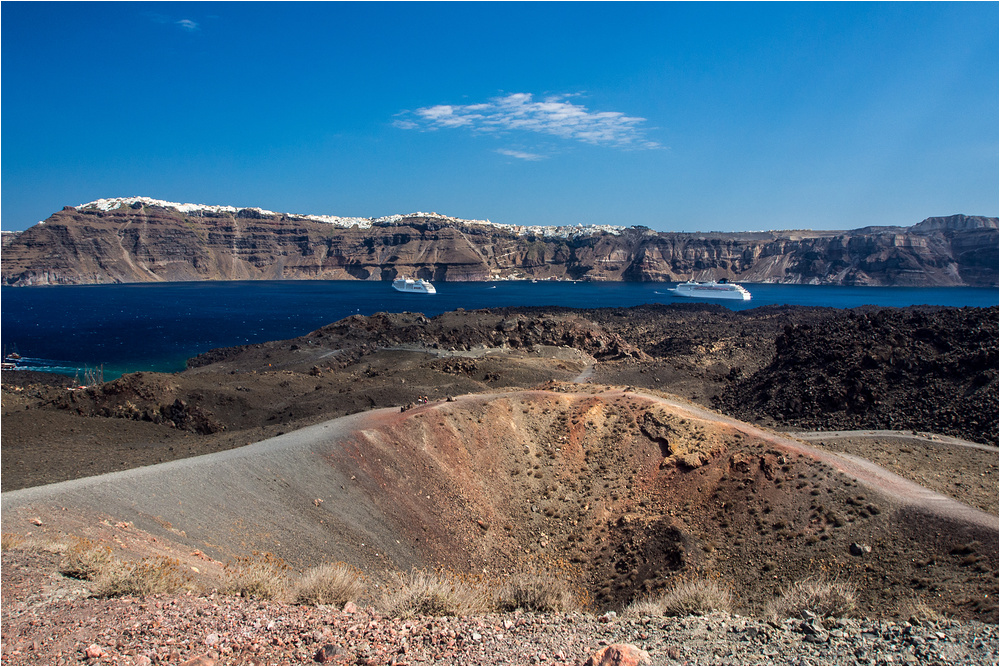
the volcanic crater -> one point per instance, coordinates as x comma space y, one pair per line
622, 492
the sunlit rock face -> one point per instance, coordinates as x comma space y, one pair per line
139, 239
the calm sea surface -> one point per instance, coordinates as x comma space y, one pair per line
158, 326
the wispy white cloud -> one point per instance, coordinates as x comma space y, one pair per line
187, 25
520, 155
519, 111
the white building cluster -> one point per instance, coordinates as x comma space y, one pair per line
566, 231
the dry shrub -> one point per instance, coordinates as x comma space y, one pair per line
150, 576
335, 584
34, 543
60, 546
540, 591
918, 610
644, 607
822, 597
11, 541
694, 598
262, 576
85, 559
435, 594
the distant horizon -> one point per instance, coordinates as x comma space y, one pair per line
676, 116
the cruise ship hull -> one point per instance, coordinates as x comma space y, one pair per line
413, 286
712, 290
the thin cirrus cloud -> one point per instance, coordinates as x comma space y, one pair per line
520, 155
187, 25
519, 111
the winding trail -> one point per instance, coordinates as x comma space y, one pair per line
585, 375
903, 435
864, 471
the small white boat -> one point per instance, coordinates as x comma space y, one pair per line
11, 360
411, 286
722, 289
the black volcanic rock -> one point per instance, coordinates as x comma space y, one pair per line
927, 369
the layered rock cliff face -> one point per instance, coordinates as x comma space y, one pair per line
143, 243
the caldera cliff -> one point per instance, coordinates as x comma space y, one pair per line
145, 240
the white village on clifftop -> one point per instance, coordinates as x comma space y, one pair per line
566, 231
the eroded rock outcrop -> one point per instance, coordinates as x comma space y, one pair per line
143, 242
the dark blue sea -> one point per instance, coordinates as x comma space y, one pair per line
158, 326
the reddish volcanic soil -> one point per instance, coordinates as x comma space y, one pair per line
485, 442
629, 491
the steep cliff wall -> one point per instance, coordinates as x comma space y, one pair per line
142, 242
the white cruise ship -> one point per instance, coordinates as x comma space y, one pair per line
722, 289
411, 286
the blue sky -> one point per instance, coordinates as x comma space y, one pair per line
681, 117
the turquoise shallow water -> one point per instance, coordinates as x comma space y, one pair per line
158, 326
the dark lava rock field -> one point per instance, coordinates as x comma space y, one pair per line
932, 370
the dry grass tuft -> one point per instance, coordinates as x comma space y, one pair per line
540, 586
435, 594
150, 576
822, 597
11, 541
60, 546
687, 598
15, 541
335, 584
87, 560
262, 576
918, 610
539, 591
695, 597
644, 607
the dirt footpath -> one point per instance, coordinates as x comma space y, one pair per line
966, 471
864, 471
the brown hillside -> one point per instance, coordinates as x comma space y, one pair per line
623, 492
